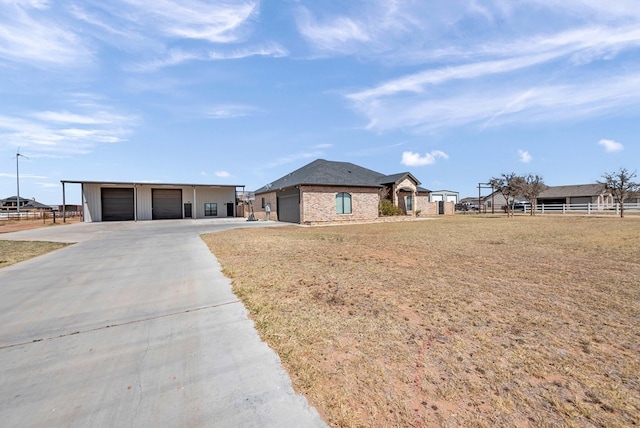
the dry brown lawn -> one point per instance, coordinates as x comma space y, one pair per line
460, 321
12, 252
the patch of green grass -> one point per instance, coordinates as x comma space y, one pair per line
12, 252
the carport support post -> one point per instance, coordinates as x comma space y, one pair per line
135, 202
64, 205
194, 209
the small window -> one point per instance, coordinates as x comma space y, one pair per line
409, 203
211, 209
343, 203
263, 205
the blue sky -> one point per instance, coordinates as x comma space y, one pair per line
243, 92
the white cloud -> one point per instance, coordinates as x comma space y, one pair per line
176, 57
525, 157
222, 174
415, 159
62, 133
217, 22
228, 111
511, 102
332, 34
28, 34
611, 146
295, 157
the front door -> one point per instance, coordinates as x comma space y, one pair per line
229, 209
187, 211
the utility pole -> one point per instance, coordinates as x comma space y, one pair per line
18, 178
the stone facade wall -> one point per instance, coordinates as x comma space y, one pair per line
319, 204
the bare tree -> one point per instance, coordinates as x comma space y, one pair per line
510, 186
532, 186
621, 185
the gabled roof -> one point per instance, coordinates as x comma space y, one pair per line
322, 172
572, 191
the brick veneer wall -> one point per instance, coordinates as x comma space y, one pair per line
259, 212
319, 204
425, 207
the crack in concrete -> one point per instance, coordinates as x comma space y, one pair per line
62, 336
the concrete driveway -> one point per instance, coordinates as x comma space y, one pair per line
135, 326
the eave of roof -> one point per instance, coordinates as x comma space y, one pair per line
139, 183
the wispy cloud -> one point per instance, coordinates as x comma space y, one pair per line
491, 80
611, 146
228, 111
63, 133
415, 159
509, 103
524, 156
295, 157
22, 175
176, 57
222, 174
29, 35
332, 34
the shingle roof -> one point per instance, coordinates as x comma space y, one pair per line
572, 191
322, 172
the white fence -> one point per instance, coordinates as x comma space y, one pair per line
36, 215
629, 208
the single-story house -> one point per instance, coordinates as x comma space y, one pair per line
327, 191
577, 194
122, 201
26, 205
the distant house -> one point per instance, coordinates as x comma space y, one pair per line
577, 194
594, 194
327, 191
26, 205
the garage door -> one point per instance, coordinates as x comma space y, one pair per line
117, 204
289, 208
166, 203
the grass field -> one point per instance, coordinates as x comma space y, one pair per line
12, 252
460, 321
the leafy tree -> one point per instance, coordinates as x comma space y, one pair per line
510, 186
621, 185
532, 186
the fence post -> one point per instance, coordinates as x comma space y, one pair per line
564, 208
589, 208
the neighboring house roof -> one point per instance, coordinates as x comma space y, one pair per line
322, 172
24, 203
572, 191
36, 205
13, 199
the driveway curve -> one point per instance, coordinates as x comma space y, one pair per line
134, 325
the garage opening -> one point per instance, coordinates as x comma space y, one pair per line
289, 206
117, 204
166, 204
